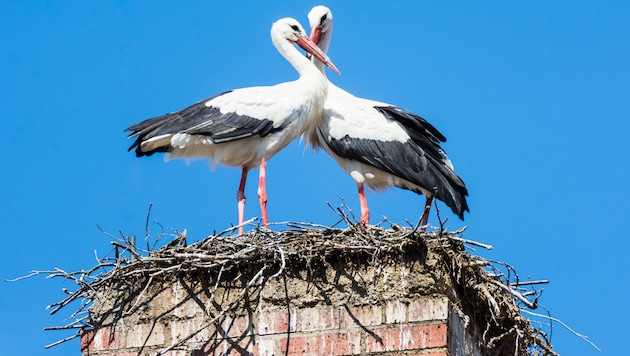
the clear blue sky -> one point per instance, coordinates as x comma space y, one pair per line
532, 96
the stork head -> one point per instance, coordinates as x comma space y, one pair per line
291, 30
320, 20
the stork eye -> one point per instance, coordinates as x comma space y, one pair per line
295, 28
323, 18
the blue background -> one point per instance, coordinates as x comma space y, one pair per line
532, 96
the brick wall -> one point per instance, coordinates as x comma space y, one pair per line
424, 326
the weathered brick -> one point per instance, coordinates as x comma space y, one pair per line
156, 352
237, 326
143, 335
87, 337
425, 309
354, 342
266, 346
323, 344
438, 352
109, 338
101, 339
193, 330
276, 321
319, 318
407, 338
363, 315
232, 347
395, 312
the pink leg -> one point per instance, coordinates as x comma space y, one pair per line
365, 211
262, 192
240, 198
425, 215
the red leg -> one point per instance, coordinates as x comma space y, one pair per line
365, 211
240, 198
425, 215
262, 192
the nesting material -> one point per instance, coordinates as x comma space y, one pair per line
325, 265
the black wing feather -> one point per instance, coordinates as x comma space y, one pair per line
415, 125
199, 119
420, 160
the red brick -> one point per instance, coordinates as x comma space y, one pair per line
276, 322
109, 338
407, 338
100, 339
320, 318
323, 344
87, 339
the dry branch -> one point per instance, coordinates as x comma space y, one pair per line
491, 292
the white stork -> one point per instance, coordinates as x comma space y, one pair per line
381, 145
245, 127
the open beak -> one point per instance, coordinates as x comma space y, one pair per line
310, 47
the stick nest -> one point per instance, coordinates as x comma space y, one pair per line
489, 294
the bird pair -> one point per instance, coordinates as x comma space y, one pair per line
378, 144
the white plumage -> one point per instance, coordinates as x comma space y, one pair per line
245, 127
381, 145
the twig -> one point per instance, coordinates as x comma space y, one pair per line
31, 274
236, 227
62, 340
131, 250
133, 306
282, 264
581, 336
529, 283
147, 232
471, 242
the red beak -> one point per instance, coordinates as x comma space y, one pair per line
316, 34
310, 47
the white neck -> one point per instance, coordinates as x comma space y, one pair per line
287, 49
312, 84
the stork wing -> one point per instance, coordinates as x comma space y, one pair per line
419, 159
202, 118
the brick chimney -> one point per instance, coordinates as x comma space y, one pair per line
325, 293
